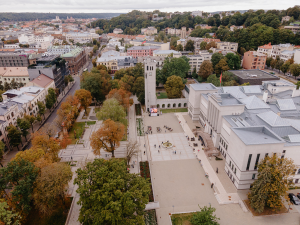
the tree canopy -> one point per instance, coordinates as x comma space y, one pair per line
174, 87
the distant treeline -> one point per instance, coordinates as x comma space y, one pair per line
47, 16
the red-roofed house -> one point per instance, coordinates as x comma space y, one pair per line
265, 49
42, 81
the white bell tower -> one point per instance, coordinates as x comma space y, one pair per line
150, 82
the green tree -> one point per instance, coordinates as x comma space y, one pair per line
204, 217
7, 216
50, 98
18, 176
233, 61
221, 66
273, 63
179, 48
2, 148
174, 86
24, 126
215, 58
14, 135
139, 89
111, 194
50, 190
295, 69
214, 80
268, 61
190, 46
84, 97
285, 67
272, 184
31, 119
42, 108
117, 48
206, 69
279, 63
6, 86
203, 45
112, 109
194, 73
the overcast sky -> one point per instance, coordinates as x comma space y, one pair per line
124, 6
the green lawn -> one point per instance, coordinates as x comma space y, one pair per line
79, 128
162, 95
181, 219
174, 110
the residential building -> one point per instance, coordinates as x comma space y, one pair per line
30, 38
173, 31
203, 26
163, 46
277, 49
297, 56
141, 51
149, 31
286, 55
197, 13
183, 32
248, 123
14, 59
253, 77
61, 49
117, 31
254, 60
196, 60
285, 19
167, 53
77, 58
81, 37
12, 46
233, 27
42, 81
155, 18
126, 63
265, 49
52, 66
232, 46
18, 74
295, 28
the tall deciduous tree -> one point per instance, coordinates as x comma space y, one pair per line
285, 67
132, 149
2, 148
18, 176
179, 48
110, 194
211, 44
122, 96
233, 61
221, 66
206, 69
84, 97
107, 137
190, 46
50, 190
139, 89
7, 216
174, 87
215, 58
272, 184
24, 126
31, 119
295, 69
112, 109
204, 216
50, 98
268, 61
14, 135
42, 108
203, 45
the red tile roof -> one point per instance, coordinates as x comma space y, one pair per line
268, 46
42, 81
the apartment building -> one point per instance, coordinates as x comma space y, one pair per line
295, 28
277, 49
265, 49
247, 123
196, 13
286, 55
297, 56
126, 63
14, 59
231, 46
117, 31
196, 60
30, 38
141, 51
149, 31
76, 59
12, 46
163, 46
285, 19
81, 37
254, 60
61, 49
18, 74
167, 53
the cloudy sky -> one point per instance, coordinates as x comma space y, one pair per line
125, 6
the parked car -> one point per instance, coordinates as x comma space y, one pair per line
298, 195
294, 199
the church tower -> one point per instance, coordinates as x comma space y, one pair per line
150, 83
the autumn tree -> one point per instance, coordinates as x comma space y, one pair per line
112, 109
272, 184
51, 187
84, 97
221, 66
18, 176
66, 140
24, 126
295, 69
14, 135
2, 148
42, 108
203, 45
206, 69
126, 82
108, 137
49, 129
68, 111
7, 215
122, 96
132, 149
179, 48
31, 119
174, 87
211, 44
98, 184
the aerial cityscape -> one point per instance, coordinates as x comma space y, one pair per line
186, 114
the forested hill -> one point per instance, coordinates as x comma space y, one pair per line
47, 16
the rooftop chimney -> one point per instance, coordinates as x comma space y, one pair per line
265, 96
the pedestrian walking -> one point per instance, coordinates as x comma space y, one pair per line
144, 152
154, 146
159, 146
145, 145
175, 152
165, 131
158, 150
217, 170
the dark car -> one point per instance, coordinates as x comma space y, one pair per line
298, 195
294, 199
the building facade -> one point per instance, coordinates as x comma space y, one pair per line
141, 51
76, 60
14, 59
196, 61
18, 74
254, 60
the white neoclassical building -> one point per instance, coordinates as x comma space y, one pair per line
247, 123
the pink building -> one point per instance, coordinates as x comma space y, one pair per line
141, 51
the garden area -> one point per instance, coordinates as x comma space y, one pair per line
181, 219
174, 110
58, 218
150, 217
78, 128
138, 110
267, 211
145, 172
161, 95
140, 127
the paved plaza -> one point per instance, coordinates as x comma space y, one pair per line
180, 150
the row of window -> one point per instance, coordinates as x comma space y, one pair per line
223, 143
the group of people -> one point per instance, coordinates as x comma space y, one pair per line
168, 128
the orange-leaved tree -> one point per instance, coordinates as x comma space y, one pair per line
66, 140
84, 97
68, 111
122, 96
107, 137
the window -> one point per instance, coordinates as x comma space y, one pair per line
230, 165
284, 151
256, 162
282, 156
249, 161
266, 154
234, 170
253, 176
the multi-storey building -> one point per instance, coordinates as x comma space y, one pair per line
197, 13
149, 31
18, 74
265, 49
117, 31
277, 49
254, 60
196, 60
81, 36
167, 53
248, 123
13, 59
297, 56
232, 46
162, 45
61, 49
76, 59
141, 51
126, 63
295, 28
